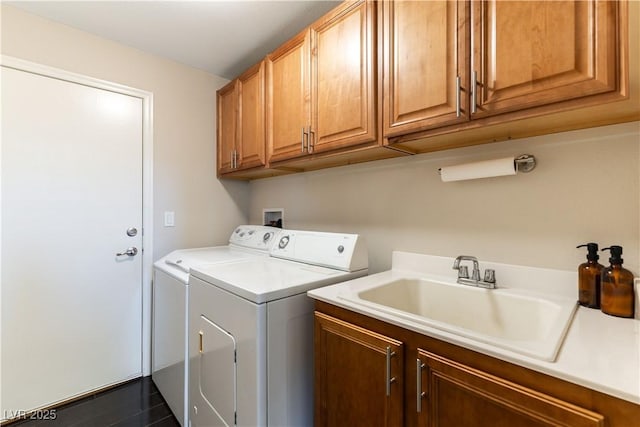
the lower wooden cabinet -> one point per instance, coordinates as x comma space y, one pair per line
453, 394
358, 376
370, 373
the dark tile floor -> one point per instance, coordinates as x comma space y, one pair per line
137, 403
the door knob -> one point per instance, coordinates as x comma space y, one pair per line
130, 252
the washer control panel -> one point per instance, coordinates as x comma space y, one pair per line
254, 236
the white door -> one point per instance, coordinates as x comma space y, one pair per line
71, 186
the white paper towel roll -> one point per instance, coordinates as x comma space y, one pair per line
485, 169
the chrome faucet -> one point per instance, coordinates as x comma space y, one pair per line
489, 280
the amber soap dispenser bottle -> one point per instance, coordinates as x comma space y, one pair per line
589, 274
617, 286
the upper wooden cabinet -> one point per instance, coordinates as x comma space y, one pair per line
425, 63
288, 93
379, 79
343, 95
241, 123
251, 117
460, 66
321, 85
532, 53
227, 127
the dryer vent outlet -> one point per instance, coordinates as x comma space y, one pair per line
273, 217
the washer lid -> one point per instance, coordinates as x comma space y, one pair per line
266, 279
180, 262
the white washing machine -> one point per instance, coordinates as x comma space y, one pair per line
170, 302
251, 330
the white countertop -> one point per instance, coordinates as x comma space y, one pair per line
600, 352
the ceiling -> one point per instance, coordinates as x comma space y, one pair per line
222, 37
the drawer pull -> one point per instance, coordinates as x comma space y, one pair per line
390, 379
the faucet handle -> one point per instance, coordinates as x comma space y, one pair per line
490, 275
463, 272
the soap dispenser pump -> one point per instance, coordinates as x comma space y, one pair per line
617, 286
589, 274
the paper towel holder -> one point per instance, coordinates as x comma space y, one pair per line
525, 163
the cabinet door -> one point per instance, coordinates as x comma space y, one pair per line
288, 98
425, 65
458, 395
358, 376
251, 111
343, 79
227, 127
532, 53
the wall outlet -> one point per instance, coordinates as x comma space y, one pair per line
169, 219
273, 217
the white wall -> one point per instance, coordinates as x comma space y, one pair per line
184, 124
585, 188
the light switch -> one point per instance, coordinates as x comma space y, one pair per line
169, 219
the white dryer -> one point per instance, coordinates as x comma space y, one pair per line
170, 302
251, 330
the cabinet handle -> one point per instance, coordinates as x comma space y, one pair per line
200, 347
302, 144
419, 393
474, 90
390, 379
311, 140
231, 158
457, 96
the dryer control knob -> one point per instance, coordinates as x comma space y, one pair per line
283, 242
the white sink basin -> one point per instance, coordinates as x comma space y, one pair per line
512, 319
